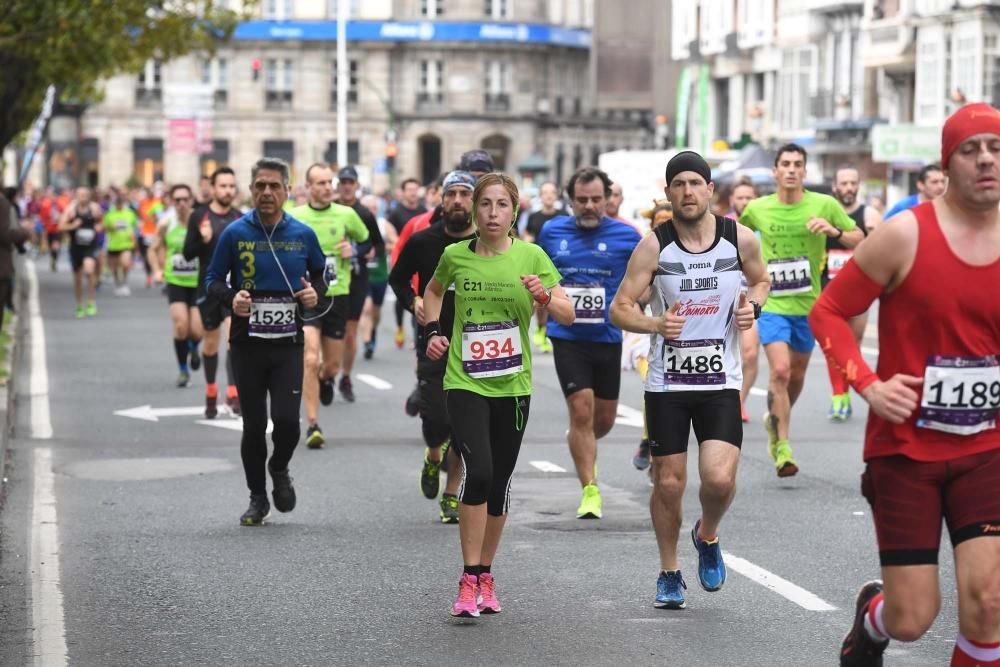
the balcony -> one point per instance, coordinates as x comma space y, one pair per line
827, 105
148, 98
497, 102
835, 7
889, 44
427, 101
278, 100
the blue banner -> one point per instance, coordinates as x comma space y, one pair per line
425, 31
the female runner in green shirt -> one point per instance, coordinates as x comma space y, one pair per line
498, 281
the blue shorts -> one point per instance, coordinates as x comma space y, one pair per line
791, 329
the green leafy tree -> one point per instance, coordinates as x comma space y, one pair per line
73, 44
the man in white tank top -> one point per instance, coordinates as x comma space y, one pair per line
692, 267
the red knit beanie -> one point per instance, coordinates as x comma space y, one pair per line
970, 120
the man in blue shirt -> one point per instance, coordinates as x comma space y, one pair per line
591, 252
271, 260
931, 184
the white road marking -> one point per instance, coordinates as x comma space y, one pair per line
231, 424
754, 391
547, 466
858, 513
48, 632
629, 416
782, 587
151, 414
372, 381
870, 351
41, 417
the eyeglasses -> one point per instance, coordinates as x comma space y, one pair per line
182, 199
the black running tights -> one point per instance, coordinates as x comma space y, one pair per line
274, 369
488, 433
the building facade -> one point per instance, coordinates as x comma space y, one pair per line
428, 80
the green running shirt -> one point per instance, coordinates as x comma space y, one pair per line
332, 225
794, 256
490, 351
177, 270
120, 225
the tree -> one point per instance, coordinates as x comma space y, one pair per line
73, 44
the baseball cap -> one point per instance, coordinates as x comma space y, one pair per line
476, 160
348, 172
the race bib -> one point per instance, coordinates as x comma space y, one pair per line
85, 236
790, 276
491, 349
588, 302
122, 225
272, 317
961, 394
837, 260
182, 267
330, 273
694, 362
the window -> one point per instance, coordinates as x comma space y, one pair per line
685, 29
282, 149
90, 161
498, 9
797, 84
352, 88
215, 73
930, 75
497, 86
278, 81
352, 10
279, 10
431, 82
431, 8
353, 153
149, 86
716, 19
966, 63
218, 157
754, 22
147, 156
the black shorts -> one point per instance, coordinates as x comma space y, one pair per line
334, 323
116, 253
78, 253
430, 391
179, 294
358, 294
213, 312
377, 292
54, 237
715, 415
587, 365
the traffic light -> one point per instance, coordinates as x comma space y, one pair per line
255, 66
391, 151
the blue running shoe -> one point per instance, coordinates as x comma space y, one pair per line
711, 569
670, 589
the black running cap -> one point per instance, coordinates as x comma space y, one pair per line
688, 161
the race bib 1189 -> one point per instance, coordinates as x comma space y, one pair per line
961, 395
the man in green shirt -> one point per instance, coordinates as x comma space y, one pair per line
121, 225
336, 227
794, 225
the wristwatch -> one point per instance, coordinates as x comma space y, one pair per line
756, 309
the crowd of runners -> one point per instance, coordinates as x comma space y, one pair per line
294, 286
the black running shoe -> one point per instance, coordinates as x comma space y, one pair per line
195, 359
346, 388
258, 511
430, 476
314, 437
369, 350
283, 493
859, 649
326, 391
211, 409
234, 405
183, 378
412, 405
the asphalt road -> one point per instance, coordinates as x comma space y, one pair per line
120, 541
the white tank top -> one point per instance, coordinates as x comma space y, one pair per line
706, 356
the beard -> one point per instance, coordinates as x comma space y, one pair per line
589, 222
456, 220
847, 199
689, 221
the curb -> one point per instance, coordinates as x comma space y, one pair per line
8, 392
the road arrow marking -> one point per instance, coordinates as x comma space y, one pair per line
231, 424
376, 382
629, 416
151, 414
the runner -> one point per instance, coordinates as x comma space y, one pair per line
932, 445
488, 377
336, 227
420, 258
150, 209
846, 182
180, 275
693, 264
407, 207
122, 226
931, 184
590, 251
743, 193
371, 247
83, 220
203, 230
793, 226
378, 278
273, 260
548, 193
49, 214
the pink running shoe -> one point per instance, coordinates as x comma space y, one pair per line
487, 601
465, 604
